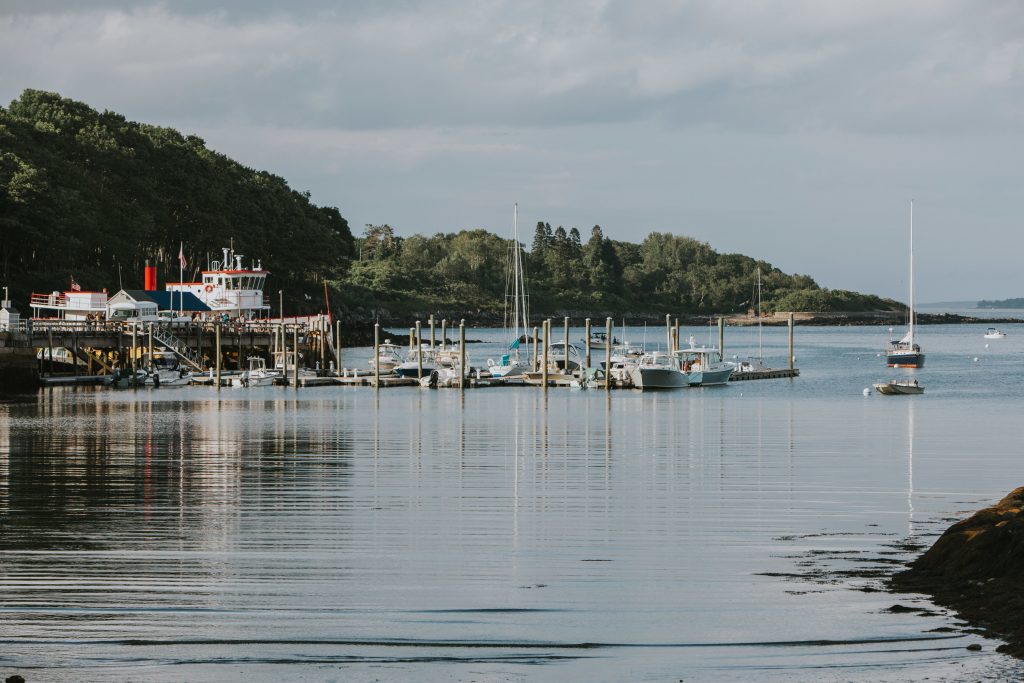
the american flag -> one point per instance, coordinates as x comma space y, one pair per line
181, 255
75, 287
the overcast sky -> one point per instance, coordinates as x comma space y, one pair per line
795, 131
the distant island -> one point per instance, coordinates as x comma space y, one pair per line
92, 196
1002, 303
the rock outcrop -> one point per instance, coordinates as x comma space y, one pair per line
977, 568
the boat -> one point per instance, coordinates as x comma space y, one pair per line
896, 387
418, 362
599, 338
565, 357
511, 364
163, 369
755, 363
703, 365
258, 374
388, 358
906, 352
993, 333
229, 287
657, 370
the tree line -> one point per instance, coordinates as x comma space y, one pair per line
468, 271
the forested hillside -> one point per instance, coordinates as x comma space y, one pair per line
92, 195
665, 273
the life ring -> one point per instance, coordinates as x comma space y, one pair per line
208, 288
490, 362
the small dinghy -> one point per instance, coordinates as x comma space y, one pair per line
899, 386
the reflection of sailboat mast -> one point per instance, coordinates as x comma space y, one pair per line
910, 467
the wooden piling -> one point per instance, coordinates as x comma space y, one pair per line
431, 332
150, 345
337, 347
216, 351
444, 325
586, 335
462, 354
544, 364
376, 355
295, 355
536, 359
325, 331
675, 336
419, 350
791, 341
608, 354
135, 350
668, 332
412, 333
721, 337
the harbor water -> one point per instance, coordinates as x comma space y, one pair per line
346, 534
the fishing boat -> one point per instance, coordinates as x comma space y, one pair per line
564, 357
657, 370
896, 387
703, 365
906, 352
388, 358
511, 364
418, 362
599, 338
258, 374
993, 333
163, 369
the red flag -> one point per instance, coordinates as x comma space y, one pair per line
75, 287
181, 255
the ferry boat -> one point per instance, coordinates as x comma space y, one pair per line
230, 288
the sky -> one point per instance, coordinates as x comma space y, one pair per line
794, 131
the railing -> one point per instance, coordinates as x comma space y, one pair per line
38, 326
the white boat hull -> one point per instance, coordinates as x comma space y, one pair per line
657, 378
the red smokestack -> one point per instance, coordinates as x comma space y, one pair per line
150, 277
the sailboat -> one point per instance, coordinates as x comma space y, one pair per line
906, 353
511, 364
752, 363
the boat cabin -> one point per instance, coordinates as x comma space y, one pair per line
228, 287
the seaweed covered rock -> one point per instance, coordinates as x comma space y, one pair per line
977, 568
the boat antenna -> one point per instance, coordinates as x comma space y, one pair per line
120, 281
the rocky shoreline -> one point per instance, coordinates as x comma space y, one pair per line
977, 569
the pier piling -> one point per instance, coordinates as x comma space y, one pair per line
376, 355
216, 351
462, 355
586, 336
608, 354
295, 355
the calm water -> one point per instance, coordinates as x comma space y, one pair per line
342, 534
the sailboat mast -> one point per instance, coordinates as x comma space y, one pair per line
760, 353
911, 273
515, 272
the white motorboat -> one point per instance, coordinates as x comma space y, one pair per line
164, 369
564, 357
657, 370
898, 387
388, 358
993, 333
703, 365
258, 374
419, 363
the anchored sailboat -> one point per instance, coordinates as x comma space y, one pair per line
907, 353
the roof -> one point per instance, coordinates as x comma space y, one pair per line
178, 301
166, 301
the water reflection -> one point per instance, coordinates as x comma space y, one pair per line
335, 526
